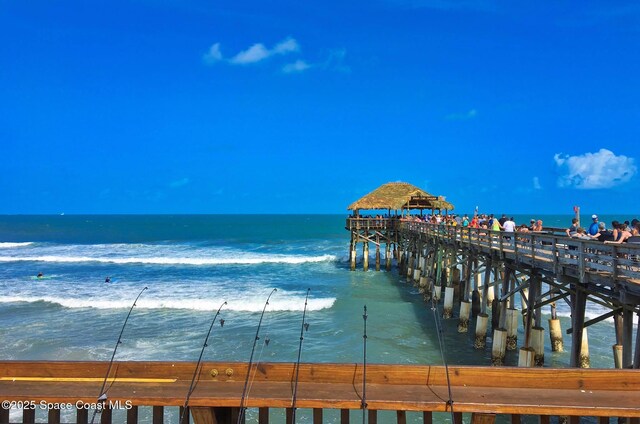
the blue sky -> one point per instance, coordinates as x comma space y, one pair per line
303, 107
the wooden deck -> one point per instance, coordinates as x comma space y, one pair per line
612, 266
477, 390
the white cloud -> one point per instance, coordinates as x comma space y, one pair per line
258, 52
297, 66
213, 55
179, 183
463, 116
287, 46
536, 183
253, 54
335, 61
602, 169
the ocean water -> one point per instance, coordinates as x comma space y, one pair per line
192, 264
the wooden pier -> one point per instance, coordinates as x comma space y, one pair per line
481, 274
56, 390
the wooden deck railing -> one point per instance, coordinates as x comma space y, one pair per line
593, 261
478, 392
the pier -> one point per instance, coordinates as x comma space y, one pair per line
326, 392
478, 273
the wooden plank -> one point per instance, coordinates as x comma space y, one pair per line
401, 417
372, 416
132, 415
53, 416
82, 416
263, 415
106, 416
478, 418
317, 415
411, 387
28, 416
427, 417
457, 417
203, 415
158, 415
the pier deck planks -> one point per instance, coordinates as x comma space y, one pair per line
503, 390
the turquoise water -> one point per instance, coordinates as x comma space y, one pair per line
191, 264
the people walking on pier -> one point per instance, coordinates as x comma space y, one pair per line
602, 234
621, 235
593, 228
509, 225
537, 226
581, 233
573, 229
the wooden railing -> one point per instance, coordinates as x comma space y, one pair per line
354, 223
478, 394
600, 262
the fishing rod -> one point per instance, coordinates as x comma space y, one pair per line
255, 341
199, 366
103, 394
304, 327
364, 367
434, 308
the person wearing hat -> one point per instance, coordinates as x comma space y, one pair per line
593, 228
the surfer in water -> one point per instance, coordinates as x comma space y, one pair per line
40, 275
107, 280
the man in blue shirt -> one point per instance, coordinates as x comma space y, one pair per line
593, 228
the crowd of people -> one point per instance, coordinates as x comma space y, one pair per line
620, 232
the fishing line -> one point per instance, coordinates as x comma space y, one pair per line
199, 366
265, 343
243, 409
364, 367
103, 394
440, 333
304, 327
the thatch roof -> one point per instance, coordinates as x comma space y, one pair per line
397, 196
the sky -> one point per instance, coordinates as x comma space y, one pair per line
288, 106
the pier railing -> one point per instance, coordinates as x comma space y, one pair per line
385, 223
588, 260
67, 391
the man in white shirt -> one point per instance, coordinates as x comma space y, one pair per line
509, 225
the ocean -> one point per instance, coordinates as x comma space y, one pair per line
191, 264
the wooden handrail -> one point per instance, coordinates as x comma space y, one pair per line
609, 264
502, 390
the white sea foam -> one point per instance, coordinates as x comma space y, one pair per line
10, 245
289, 303
177, 260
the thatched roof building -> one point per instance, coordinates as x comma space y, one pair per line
400, 196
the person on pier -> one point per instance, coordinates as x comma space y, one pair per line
603, 234
573, 229
622, 235
593, 228
537, 226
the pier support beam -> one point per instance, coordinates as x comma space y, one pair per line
578, 307
555, 331
353, 254
365, 256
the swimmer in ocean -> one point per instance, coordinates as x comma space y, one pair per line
107, 280
40, 275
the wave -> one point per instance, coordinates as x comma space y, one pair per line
291, 304
10, 245
240, 260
